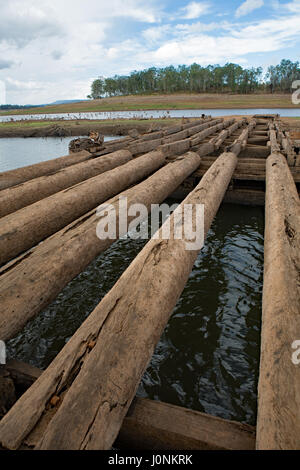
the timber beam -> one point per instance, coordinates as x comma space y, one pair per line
154, 425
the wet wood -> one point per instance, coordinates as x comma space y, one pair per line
278, 422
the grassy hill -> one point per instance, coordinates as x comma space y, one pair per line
157, 102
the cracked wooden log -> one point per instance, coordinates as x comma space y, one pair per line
13, 199
94, 386
30, 283
13, 177
28, 226
278, 422
155, 425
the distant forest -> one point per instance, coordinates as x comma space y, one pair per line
17, 106
231, 78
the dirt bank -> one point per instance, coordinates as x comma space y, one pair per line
163, 101
81, 128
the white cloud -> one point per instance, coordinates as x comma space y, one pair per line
156, 33
54, 49
248, 6
293, 6
194, 9
20, 24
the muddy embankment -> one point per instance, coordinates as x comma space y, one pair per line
76, 128
84, 127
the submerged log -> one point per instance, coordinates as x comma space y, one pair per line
13, 177
96, 386
31, 282
28, 226
13, 199
278, 422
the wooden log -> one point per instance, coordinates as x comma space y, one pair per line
156, 425
31, 282
28, 226
13, 177
278, 422
226, 133
175, 148
146, 146
142, 146
175, 137
23, 374
153, 425
13, 199
241, 142
245, 196
131, 317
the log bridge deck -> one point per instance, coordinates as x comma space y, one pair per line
85, 399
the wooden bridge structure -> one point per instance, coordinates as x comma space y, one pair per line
85, 399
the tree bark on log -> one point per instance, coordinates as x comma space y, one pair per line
149, 142
278, 422
141, 146
154, 425
177, 147
13, 177
31, 282
96, 374
15, 198
28, 226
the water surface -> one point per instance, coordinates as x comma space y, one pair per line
207, 358
16, 152
155, 114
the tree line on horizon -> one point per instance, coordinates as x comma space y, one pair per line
230, 78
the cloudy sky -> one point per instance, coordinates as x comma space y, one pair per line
54, 49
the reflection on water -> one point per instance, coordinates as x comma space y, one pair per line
16, 152
207, 358
155, 114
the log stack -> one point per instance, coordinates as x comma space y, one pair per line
86, 399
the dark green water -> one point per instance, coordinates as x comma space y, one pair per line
208, 356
